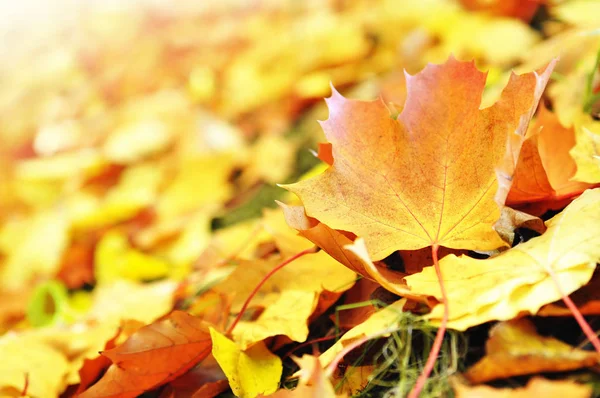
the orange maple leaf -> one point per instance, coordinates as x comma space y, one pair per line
428, 178
154, 355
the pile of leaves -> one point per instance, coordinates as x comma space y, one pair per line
175, 223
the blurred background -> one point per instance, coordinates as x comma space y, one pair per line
145, 127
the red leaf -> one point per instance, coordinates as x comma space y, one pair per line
153, 356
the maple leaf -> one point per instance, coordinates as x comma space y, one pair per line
430, 176
152, 356
519, 279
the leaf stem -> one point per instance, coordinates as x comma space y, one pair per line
439, 337
262, 282
585, 327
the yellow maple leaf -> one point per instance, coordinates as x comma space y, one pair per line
518, 280
250, 372
295, 287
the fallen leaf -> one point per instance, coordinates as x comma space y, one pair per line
297, 286
153, 356
370, 189
514, 348
536, 387
518, 279
511, 219
251, 372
